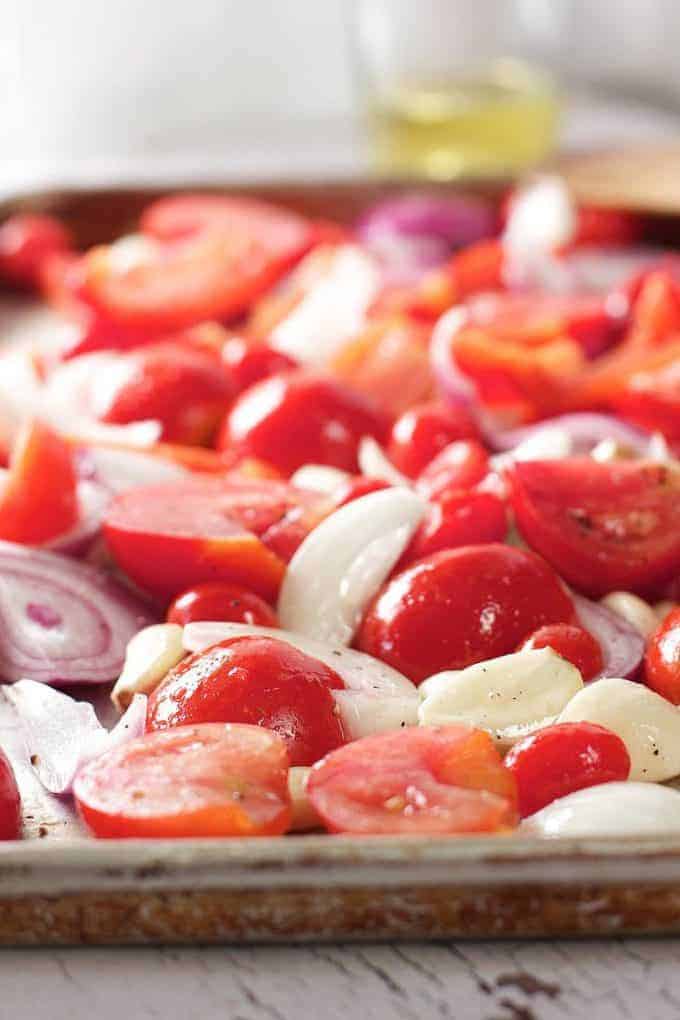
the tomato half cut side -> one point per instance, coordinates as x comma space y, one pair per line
603, 526
211, 780
447, 780
662, 659
10, 801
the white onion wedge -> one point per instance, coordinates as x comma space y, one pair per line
376, 697
510, 696
341, 564
542, 217
374, 463
121, 470
610, 809
648, 724
305, 818
319, 478
62, 734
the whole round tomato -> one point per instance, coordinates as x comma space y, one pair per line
193, 781
461, 465
571, 642
356, 487
461, 606
219, 601
458, 518
662, 659
423, 431
27, 240
257, 680
10, 801
248, 363
432, 780
298, 418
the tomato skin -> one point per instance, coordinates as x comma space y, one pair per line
298, 418
476, 268
39, 500
27, 240
423, 431
215, 601
572, 642
356, 487
183, 387
249, 363
662, 659
460, 606
445, 780
261, 681
563, 758
210, 780
604, 527
598, 225
10, 801
459, 466
456, 519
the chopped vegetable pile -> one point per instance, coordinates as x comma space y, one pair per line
372, 529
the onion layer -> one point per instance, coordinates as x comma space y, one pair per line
622, 645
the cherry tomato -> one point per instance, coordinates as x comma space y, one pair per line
10, 801
461, 606
298, 418
459, 466
563, 758
256, 680
601, 226
475, 269
356, 487
26, 241
39, 499
168, 538
193, 781
423, 431
649, 394
604, 527
655, 316
458, 518
183, 387
444, 780
662, 659
572, 643
216, 601
248, 363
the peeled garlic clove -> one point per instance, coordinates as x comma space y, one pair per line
343, 562
633, 609
305, 817
510, 696
376, 697
610, 809
319, 478
648, 724
374, 463
149, 656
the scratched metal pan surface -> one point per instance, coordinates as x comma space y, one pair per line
58, 886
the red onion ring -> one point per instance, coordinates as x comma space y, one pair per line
586, 429
622, 645
62, 621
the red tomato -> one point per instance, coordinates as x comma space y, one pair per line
248, 363
563, 758
194, 781
217, 601
655, 316
662, 659
170, 537
459, 466
39, 500
423, 431
298, 418
649, 394
601, 226
604, 527
183, 387
458, 518
355, 488
256, 680
461, 606
476, 268
26, 242
445, 780
572, 643
10, 801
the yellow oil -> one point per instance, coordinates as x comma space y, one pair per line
495, 123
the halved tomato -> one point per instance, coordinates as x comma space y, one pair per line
27, 241
604, 527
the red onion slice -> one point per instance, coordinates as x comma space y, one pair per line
622, 645
456, 220
62, 734
91, 618
585, 429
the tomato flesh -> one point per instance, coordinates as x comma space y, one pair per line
27, 241
423, 431
573, 643
604, 527
10, 801
194, 781
461, 606
447, 780
662, 659
255, 680
563, 758
215, 601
